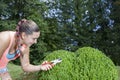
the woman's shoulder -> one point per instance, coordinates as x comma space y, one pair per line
6, 35
6, 32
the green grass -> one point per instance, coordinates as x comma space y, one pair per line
118, 68
18, 74
15, 71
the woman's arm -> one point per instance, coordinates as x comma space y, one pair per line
27, 67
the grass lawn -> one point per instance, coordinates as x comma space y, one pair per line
14, 70
118, 68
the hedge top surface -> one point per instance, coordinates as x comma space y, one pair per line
94, 65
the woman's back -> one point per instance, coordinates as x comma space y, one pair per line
4, 41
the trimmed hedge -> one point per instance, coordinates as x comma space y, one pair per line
61, 71
85, 64
92, 64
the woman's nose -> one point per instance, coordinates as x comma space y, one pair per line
35, 41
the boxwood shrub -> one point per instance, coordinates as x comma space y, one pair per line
92, 64
86, 63
61, 71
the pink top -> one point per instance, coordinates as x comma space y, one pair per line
4, 60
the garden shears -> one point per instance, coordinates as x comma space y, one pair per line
54, 62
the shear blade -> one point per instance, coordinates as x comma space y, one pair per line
56, 61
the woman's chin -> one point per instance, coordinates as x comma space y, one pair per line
29, 45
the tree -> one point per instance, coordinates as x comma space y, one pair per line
86, 23
67, 24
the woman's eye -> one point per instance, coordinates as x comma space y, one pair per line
34, 39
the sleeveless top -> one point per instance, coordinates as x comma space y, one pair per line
6, 57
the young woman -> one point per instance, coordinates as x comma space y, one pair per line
14, 44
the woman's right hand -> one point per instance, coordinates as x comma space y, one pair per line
46, 66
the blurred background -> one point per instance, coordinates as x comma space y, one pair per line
67, 24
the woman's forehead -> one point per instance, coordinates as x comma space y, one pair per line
35, 34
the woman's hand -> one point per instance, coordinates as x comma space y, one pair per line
46, 66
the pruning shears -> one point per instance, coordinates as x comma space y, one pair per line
54, 62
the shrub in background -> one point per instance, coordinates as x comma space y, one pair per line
92, 64
61, 71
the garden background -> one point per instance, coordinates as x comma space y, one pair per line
67, 25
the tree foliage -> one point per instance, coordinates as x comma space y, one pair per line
67, 24
88, 23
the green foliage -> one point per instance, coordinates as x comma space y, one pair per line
92, 64
62, 23
61, 71
7, 25
85, 64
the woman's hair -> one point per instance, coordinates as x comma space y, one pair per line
27, 26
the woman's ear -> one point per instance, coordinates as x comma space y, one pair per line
23, 35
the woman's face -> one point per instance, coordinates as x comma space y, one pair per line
30, 39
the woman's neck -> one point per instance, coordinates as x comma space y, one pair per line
18, 39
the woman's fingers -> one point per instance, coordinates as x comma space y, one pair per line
46, 66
